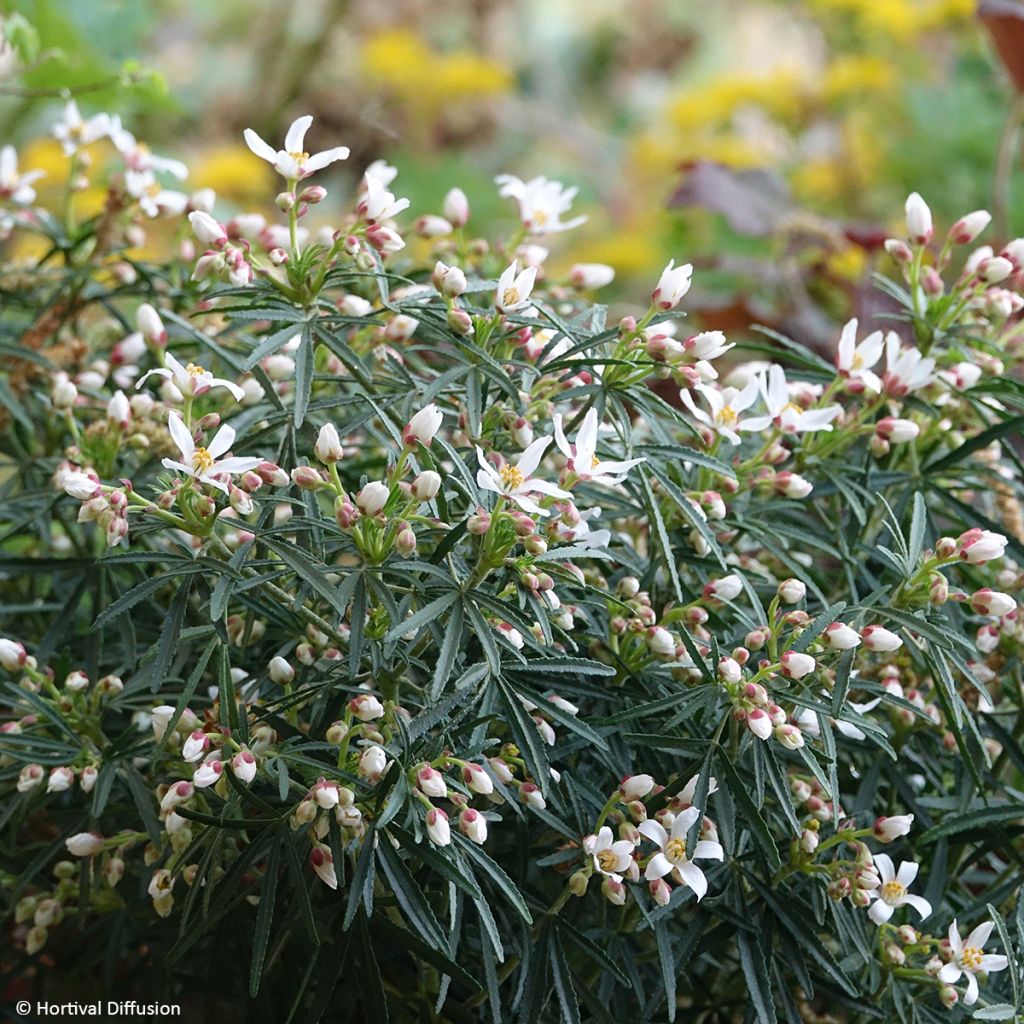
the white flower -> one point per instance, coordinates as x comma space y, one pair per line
159, 718
201, 463
373, 497
796, 665
541, 203
906, 370
686, 794
919, 220
725, 404
60, 779
473, 826
196, 746
673, 284
191, 380
992, 602
517, 481
207, 230
893, 890
373, 763
969, 226
583, 461
854, 361
73, 132
513, 291
886, 829
423, 426
243, 765
280, 671
784, 413
635, 787
727, 588
207, 774
672, 855
456, 208
970, 958
610, 857
293, 162
377, 202
12, 654
14, 186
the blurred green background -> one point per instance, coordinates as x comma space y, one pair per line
846, 104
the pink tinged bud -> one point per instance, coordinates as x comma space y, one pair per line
977, 546
243, 765
792, 485
196, 746
405, 542
474, 776
796, 665
994, 269
456, 208
919, 220
968, 227
328, 445
809, 840
635, 787
841, 637
306, 478
532, 796
899, 251
791, 591
423, 426
384, 239
373, 763
886, 829
478, 524
728, 588
426, 485
346, 514
322, 863
729, 670
366, 707
500, 769
84, 844
87, 780
60, 780
207, 774
898, 431
473, 825
431, 782
207, 230
789, 736
759, 723
992, 602
878, 638
588, 276
372, 498
460, 322
12, 655
661, 892
438, 828
177, 794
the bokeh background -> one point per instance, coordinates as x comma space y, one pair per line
769, 142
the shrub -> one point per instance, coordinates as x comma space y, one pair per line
386, 639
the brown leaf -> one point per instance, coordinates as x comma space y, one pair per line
1004, 20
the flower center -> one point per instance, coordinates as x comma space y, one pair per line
893, 893
299, 158
594, 462
511, 477
202, 461
607, 860
791, 407
510, 296
727, 415
857, 362
971, 958
540, 217
195, 371
675, 850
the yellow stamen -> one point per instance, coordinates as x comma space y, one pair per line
510, 296
727, 416
594, 462
857, 362
299, 158
675, 850
893, 892
195, 371
607, 860
540, 217
971, 958
511, 477
791, 405
202, 461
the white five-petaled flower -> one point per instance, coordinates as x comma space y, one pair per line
970, 958
14, 186
517, 481
892, 893
583, 461
73, 131
786, 414
204, 464
293, 162
854, 361
191, 380
541, 203
906, 370
673, 284
672, 856
514, 288
377, 202
725, 405
610, 857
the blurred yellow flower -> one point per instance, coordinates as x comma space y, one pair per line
848, 263
233, 173
856, 74
781, 93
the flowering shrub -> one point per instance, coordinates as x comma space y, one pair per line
383, 635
